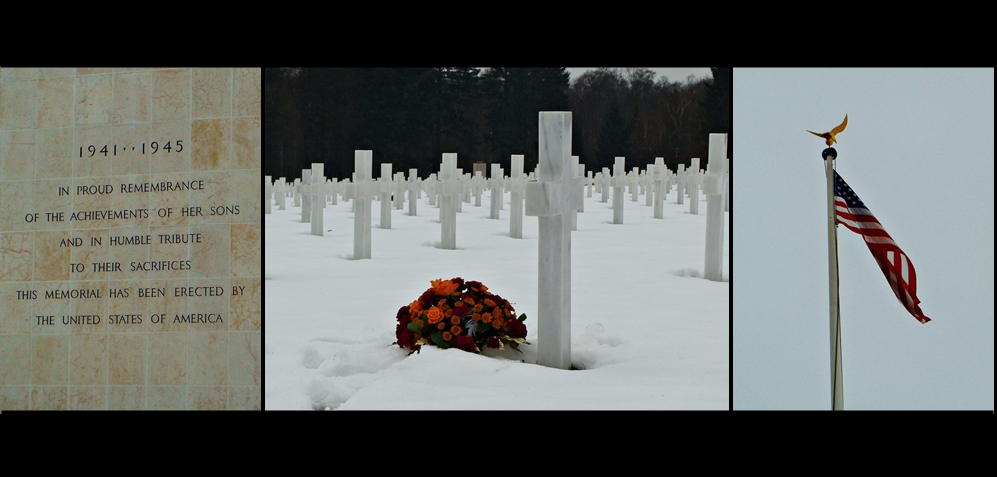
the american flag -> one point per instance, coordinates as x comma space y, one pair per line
852, 213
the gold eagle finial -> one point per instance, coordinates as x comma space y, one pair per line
829, 136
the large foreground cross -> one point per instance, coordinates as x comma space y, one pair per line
363, 191
449, 199
551, 200
713, 188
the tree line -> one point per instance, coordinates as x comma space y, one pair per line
411, 116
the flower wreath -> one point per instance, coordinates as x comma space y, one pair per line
464, 315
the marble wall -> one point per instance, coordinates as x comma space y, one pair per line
130, 238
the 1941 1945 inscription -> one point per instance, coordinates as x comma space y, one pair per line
130, 238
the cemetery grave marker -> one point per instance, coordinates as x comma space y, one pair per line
316, 191
619, 182
551, 200
385, 186
693, 180
713, 188
659, 187
496, 193
267, 194
680, 184
517, 186
413, 190
449, 198
362, 191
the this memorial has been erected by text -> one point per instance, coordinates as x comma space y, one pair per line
130, 238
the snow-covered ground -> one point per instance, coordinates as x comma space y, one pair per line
647, 332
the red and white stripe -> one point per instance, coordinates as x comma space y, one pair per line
894, 263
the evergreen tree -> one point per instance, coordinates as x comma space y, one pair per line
614, 139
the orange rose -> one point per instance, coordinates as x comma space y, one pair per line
435, 315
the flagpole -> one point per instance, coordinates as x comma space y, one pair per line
837, 393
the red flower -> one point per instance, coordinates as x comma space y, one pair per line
406, 339
465, 343
427, 298
402, 312
493, 342
517, 329
474, 284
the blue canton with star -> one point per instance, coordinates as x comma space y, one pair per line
842, 190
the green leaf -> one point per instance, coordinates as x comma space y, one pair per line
414, 326
522, 317
483, 327
439, 341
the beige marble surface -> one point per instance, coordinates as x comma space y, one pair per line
147, 293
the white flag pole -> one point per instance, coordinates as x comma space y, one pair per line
837, 393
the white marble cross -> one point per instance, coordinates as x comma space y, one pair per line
605, 184
495, 182
476, 183
646, 181
398, 190
449, 197
680, 184
413, 190
363, 191
347, 188
297, 192
634, 180
713, 189
459, 178
589, 182
503, 183
316, 192
429, 185
551, 200
583, 181
280, 192
517, 185
267, 196
303, 192
576, 175
334, 188
385, 188
659, 187
619, 184
692, 181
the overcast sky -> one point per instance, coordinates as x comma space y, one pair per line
919, 151
673, 74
